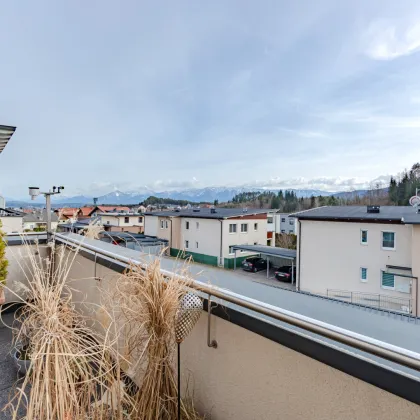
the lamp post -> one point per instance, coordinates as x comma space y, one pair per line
34, 192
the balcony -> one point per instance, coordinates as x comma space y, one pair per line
279, 354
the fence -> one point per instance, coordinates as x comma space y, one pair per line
385, 302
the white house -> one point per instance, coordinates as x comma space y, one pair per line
365, 255
123, 222
285, 224
208, 235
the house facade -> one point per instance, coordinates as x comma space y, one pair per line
359, 254
208, 235
12, 222
123, 222
285, 224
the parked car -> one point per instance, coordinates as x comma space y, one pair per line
285, 273
254, 264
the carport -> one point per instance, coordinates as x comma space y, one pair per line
268, 251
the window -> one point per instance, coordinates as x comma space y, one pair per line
291, 222
255, 243
196, 244
187, 244
187, 225
197, 225
387, 280
232, 228
364, 237
269, 220
283, 231
255, 226
107, 222
161, 224
166, 224
291, 231
231, 250
388, 240
283, 219
363, 274
140, 219
126, 219
244, 227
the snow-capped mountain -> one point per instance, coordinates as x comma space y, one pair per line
208, 194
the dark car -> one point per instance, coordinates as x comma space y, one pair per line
254, 264
285, 273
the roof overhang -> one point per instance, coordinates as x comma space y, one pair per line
6, 132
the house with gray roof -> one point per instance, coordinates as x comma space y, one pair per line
366, 255
208, 235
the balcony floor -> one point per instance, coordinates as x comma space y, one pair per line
8, 373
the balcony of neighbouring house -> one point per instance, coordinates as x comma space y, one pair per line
258, 351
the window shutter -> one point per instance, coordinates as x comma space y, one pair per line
388, 279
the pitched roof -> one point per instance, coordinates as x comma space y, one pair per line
105, 209
86, 210
67, 211
394, 214
206, 213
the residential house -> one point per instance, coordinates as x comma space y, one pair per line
284, 223
85, 212
12, 221
208, 234
365, 255
122, 222
38, 220
67, 215
108, 209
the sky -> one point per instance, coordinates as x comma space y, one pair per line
172, 95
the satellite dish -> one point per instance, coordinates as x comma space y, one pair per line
414, 201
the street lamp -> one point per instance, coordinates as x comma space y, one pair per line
34, 192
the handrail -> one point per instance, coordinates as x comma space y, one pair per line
361, 342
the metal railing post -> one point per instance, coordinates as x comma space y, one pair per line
210, 342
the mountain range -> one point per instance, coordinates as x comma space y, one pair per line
208, 194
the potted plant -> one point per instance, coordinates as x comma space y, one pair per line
3, 265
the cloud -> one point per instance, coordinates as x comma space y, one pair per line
389, 40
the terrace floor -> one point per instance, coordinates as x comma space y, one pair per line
8, 373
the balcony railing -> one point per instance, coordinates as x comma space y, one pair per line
270, 362
373, 300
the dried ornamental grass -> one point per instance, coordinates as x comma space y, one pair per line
70, 367
148, 304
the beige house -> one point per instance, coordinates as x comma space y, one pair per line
363, 255
11, 222
208, 235
123, 222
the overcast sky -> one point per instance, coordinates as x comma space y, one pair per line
179, 94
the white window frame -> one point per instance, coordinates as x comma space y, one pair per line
166, 224
291, 222
162, 224
382, 240
361, 237
236, 228
255, 226
231, 250
367, 275
387, 287
244, 224
187, 225
187, 244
